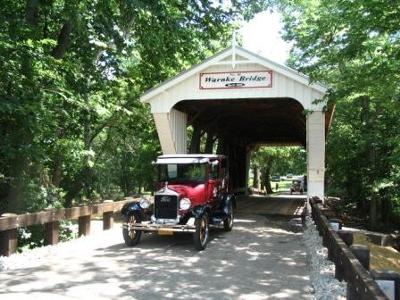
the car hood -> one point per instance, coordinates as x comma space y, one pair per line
194, 191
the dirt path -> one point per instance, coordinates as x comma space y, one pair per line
259, 259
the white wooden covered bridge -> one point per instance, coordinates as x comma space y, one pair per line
241, 99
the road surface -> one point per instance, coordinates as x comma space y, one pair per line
260, 259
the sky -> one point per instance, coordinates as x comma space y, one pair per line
261, 35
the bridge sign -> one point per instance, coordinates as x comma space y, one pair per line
235, 80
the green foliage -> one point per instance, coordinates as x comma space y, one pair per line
72, 127
354, 47
33, 236
278, 161
30, 237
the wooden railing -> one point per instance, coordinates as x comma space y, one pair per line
9, 223
351, 261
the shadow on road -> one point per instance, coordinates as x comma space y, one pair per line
259, 259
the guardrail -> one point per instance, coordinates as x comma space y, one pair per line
50, 218
352, 261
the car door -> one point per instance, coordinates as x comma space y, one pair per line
213, 183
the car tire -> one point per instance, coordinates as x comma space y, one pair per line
201, 235
228, 222
131, 237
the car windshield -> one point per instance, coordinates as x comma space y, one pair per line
182, 172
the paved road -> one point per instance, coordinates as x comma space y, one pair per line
260, 259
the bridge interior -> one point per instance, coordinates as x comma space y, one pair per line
249, 121
239, 125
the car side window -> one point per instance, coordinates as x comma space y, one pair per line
214, 172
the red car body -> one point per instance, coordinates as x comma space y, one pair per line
191, 194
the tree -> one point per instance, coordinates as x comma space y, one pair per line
71, 124
278, 160
353, 46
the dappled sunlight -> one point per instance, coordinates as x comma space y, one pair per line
238, 221
259, 259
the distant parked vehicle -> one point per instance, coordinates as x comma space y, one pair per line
289, 176
275, 178
297, 187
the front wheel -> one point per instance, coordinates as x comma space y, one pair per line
228, 222
201, 235
131, 236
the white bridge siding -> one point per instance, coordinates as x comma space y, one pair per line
171, 129
282, 87
286, 83
315, 153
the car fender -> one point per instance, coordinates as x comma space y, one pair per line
132, 208
227, 200
200, 210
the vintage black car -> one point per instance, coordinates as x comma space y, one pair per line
297, 186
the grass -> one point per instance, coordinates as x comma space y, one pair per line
283, 186
381, 258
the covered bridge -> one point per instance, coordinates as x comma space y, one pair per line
241, 100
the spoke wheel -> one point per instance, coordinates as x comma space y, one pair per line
131, 236
228, 222
201, 236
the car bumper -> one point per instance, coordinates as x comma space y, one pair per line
160, 228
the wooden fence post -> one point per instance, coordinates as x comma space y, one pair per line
51, 233
339, 269
84, 225
108, 216
8, 242
362, 253
8, 239
346, 236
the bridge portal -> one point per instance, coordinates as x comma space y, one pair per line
241, 100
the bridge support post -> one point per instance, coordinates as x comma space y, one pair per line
316, 154
171, 129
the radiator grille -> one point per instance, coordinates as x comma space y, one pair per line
166, 206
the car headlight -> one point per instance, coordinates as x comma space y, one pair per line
144, 203
185, 203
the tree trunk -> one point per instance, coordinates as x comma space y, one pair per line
255, 178
32, 12
57, 169
209, 143
373, 220
195, 142
267, 181
367, 118
88, 170
63, 40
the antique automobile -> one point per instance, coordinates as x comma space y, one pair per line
192, 194
297, 187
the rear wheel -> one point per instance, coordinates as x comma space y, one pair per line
201, 236
228, 222
131, 236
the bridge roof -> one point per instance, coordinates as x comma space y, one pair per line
221, 58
